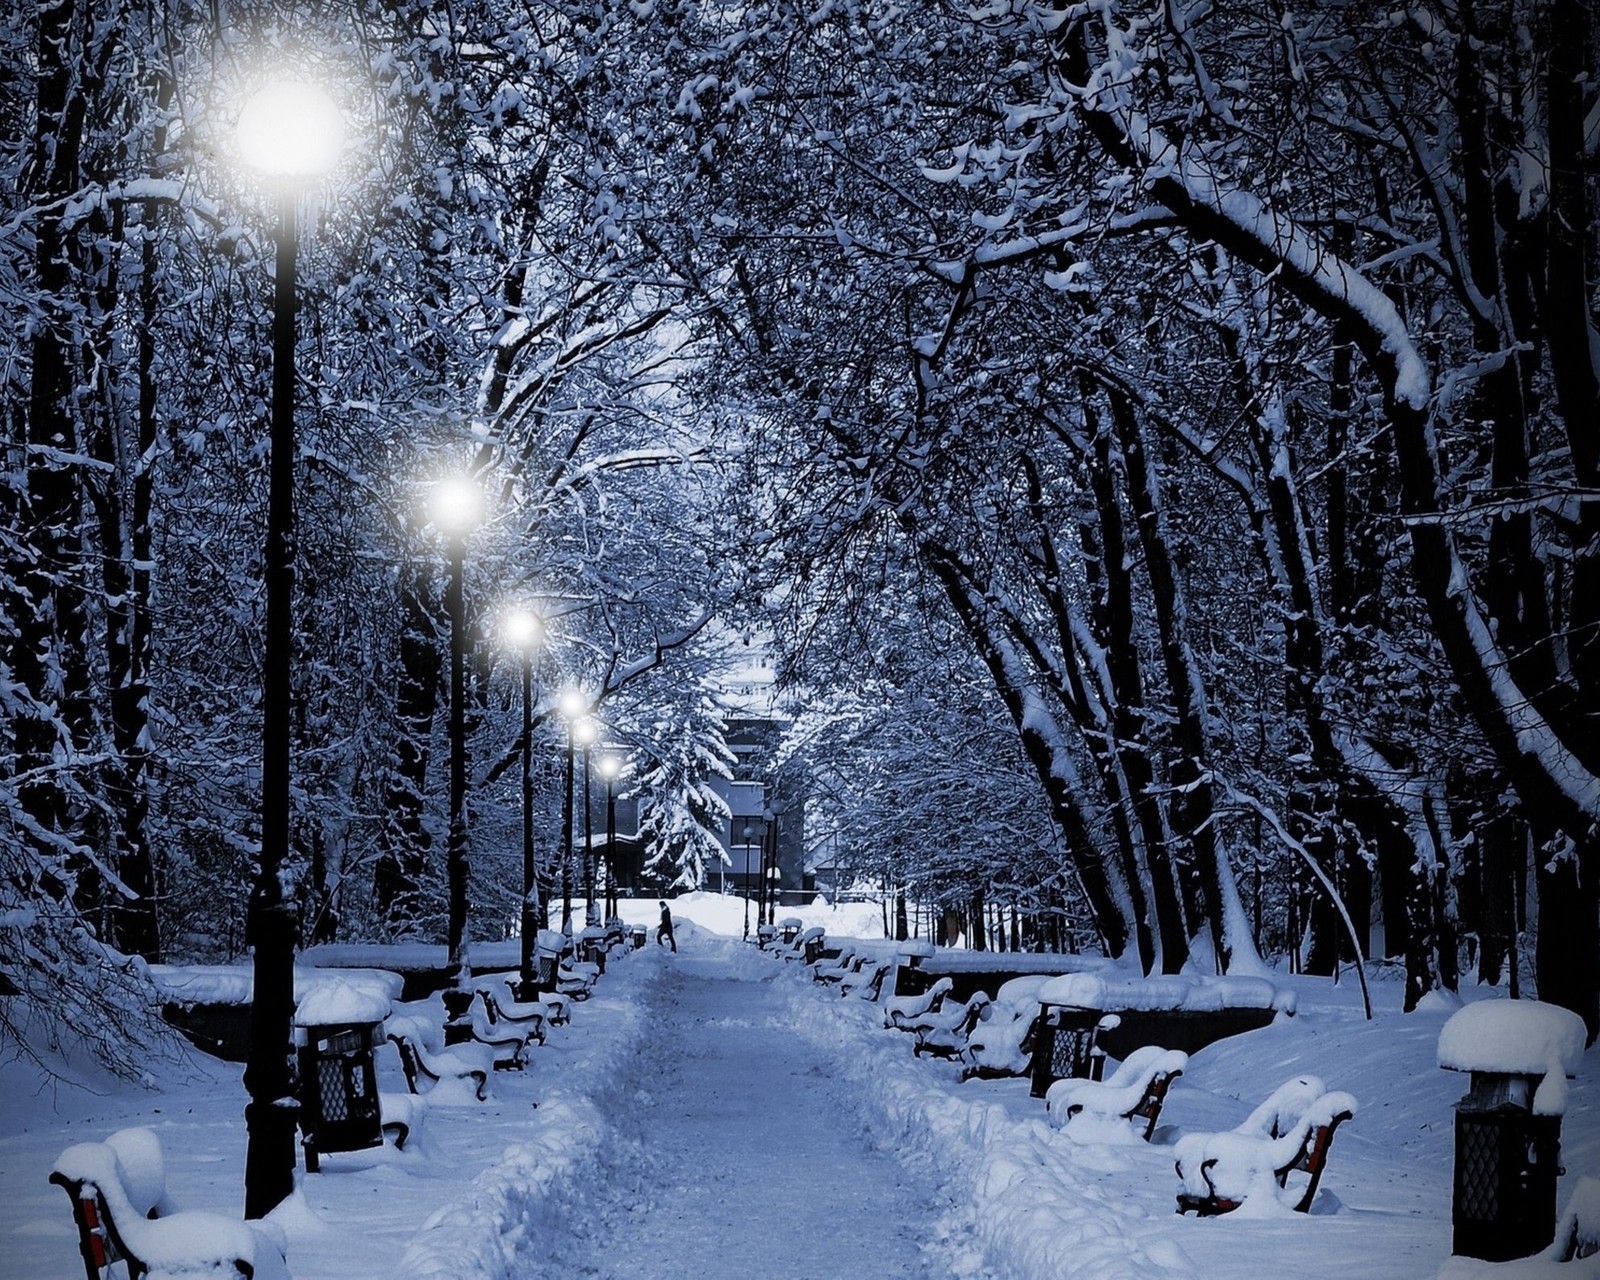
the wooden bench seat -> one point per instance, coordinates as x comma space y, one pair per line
421, 1059
1288, 1134
125, 1218
1134, 1092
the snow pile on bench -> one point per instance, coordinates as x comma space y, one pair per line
1171, 993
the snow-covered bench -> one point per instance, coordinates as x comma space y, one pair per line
500, 1009
946, 1032
1133, 1092
1289, 1133
848, 961
422, 1058
1002, 1046
807, 945
123, 1214
867, 982
902, 1012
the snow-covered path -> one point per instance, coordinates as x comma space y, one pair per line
742, 1156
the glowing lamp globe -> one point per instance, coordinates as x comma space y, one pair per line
291, 129
585, 731
573, 704
523, 628
609, 767
456, 505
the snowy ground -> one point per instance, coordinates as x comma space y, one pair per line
714, 1114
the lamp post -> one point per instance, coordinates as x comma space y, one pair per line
573, 706
587, 733
523, 631
456, 505
291, 133
748, 832
610, 766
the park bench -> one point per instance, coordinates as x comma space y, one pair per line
867, 982
946, 1032
1133, 1092
504, 1011
421, 1059
1002, 1046
807, 945
902, 1012
124, 1216
1290, 1133
848, 961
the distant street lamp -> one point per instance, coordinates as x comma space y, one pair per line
610, 766
587, 733
523, 631
292, 133
749, 831
573, 706
456, 506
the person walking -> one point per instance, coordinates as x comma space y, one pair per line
664, 930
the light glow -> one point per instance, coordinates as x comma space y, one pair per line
291, 129
585, 732
609, 767
573, 703
523, 629
456, 505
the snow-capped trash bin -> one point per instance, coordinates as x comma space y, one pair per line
789, 929
547, 948
337, 1029
1508, 1126
639, 934
592, 946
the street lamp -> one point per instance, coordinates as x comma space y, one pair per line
455, 506
610, 766
587, 733
523, 631
573, 706
749, 833
291, 133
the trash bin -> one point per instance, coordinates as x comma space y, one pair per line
1508, 1126
592, 946
457, 1015
640, 933
789, 929
1066, 1046
547, 948
337, 1029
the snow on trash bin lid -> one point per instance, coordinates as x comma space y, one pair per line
790, 922
332, 1002
550, 942
1516, 1038
915, 947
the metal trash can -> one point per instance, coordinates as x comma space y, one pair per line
457, 1015
1066, 1047
1508, 1126
592, 946
789, 929
1507, 1160
338, 1089
639, 934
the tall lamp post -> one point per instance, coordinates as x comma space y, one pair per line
292, 133
588, 734
610, 766
573, 706
523, 631
456, 506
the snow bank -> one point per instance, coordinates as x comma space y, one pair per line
1178, 993
1519, 1038
1033, 1215
499, 1229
